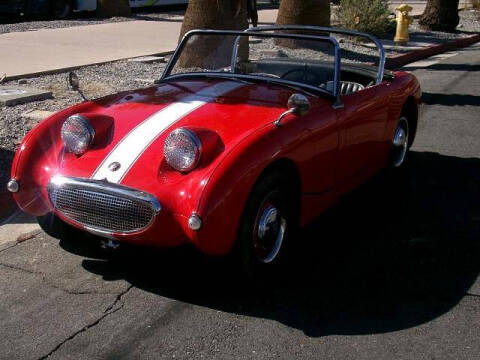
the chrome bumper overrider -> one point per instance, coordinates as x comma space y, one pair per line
101, 207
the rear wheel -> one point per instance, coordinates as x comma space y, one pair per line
400, 143
266, 226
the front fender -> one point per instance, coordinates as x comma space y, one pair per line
226, 193
37, 159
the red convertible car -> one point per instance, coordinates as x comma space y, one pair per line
246, 136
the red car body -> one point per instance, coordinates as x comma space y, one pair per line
331, 151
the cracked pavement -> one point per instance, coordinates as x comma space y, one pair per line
45, 297
400, 281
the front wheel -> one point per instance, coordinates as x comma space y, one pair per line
266, 226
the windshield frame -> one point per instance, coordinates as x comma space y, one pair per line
336, 47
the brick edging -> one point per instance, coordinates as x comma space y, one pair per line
415, 55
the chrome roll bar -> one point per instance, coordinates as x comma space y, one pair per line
381, 50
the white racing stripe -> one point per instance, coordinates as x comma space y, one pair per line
132, 146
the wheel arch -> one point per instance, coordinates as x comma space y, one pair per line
410, 109
291, 174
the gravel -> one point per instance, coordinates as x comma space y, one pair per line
469, 21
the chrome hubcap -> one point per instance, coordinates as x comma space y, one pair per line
400, 137
400, 142
269, 233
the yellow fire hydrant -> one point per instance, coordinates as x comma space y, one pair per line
403, 22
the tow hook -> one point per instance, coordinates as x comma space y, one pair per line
110, 245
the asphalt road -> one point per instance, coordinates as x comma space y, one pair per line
390, 273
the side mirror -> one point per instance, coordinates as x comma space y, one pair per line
74, 84
298, 104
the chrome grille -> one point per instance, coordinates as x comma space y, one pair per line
102, 206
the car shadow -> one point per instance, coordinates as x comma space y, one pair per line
398, 252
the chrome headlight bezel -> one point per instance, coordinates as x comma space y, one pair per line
80, 142
171, 145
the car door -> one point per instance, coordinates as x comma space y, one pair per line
312, 142
362, 122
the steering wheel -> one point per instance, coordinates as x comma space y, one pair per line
308, 76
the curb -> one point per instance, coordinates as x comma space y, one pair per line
76, 67
415, 55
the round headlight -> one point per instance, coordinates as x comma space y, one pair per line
77, 134
182, 149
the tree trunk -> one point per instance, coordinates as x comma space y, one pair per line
212, 14
109, 8
440, 15
304, 12
215, 14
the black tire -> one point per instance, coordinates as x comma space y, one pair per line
260, 256
55, 227
61, 9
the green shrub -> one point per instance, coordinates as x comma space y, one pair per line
370, 16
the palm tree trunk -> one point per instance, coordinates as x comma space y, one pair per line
215, 14
440, 15
109, 8
304, 12
211, 14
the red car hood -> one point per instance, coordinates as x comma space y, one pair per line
224, 110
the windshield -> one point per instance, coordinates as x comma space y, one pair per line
305, 60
